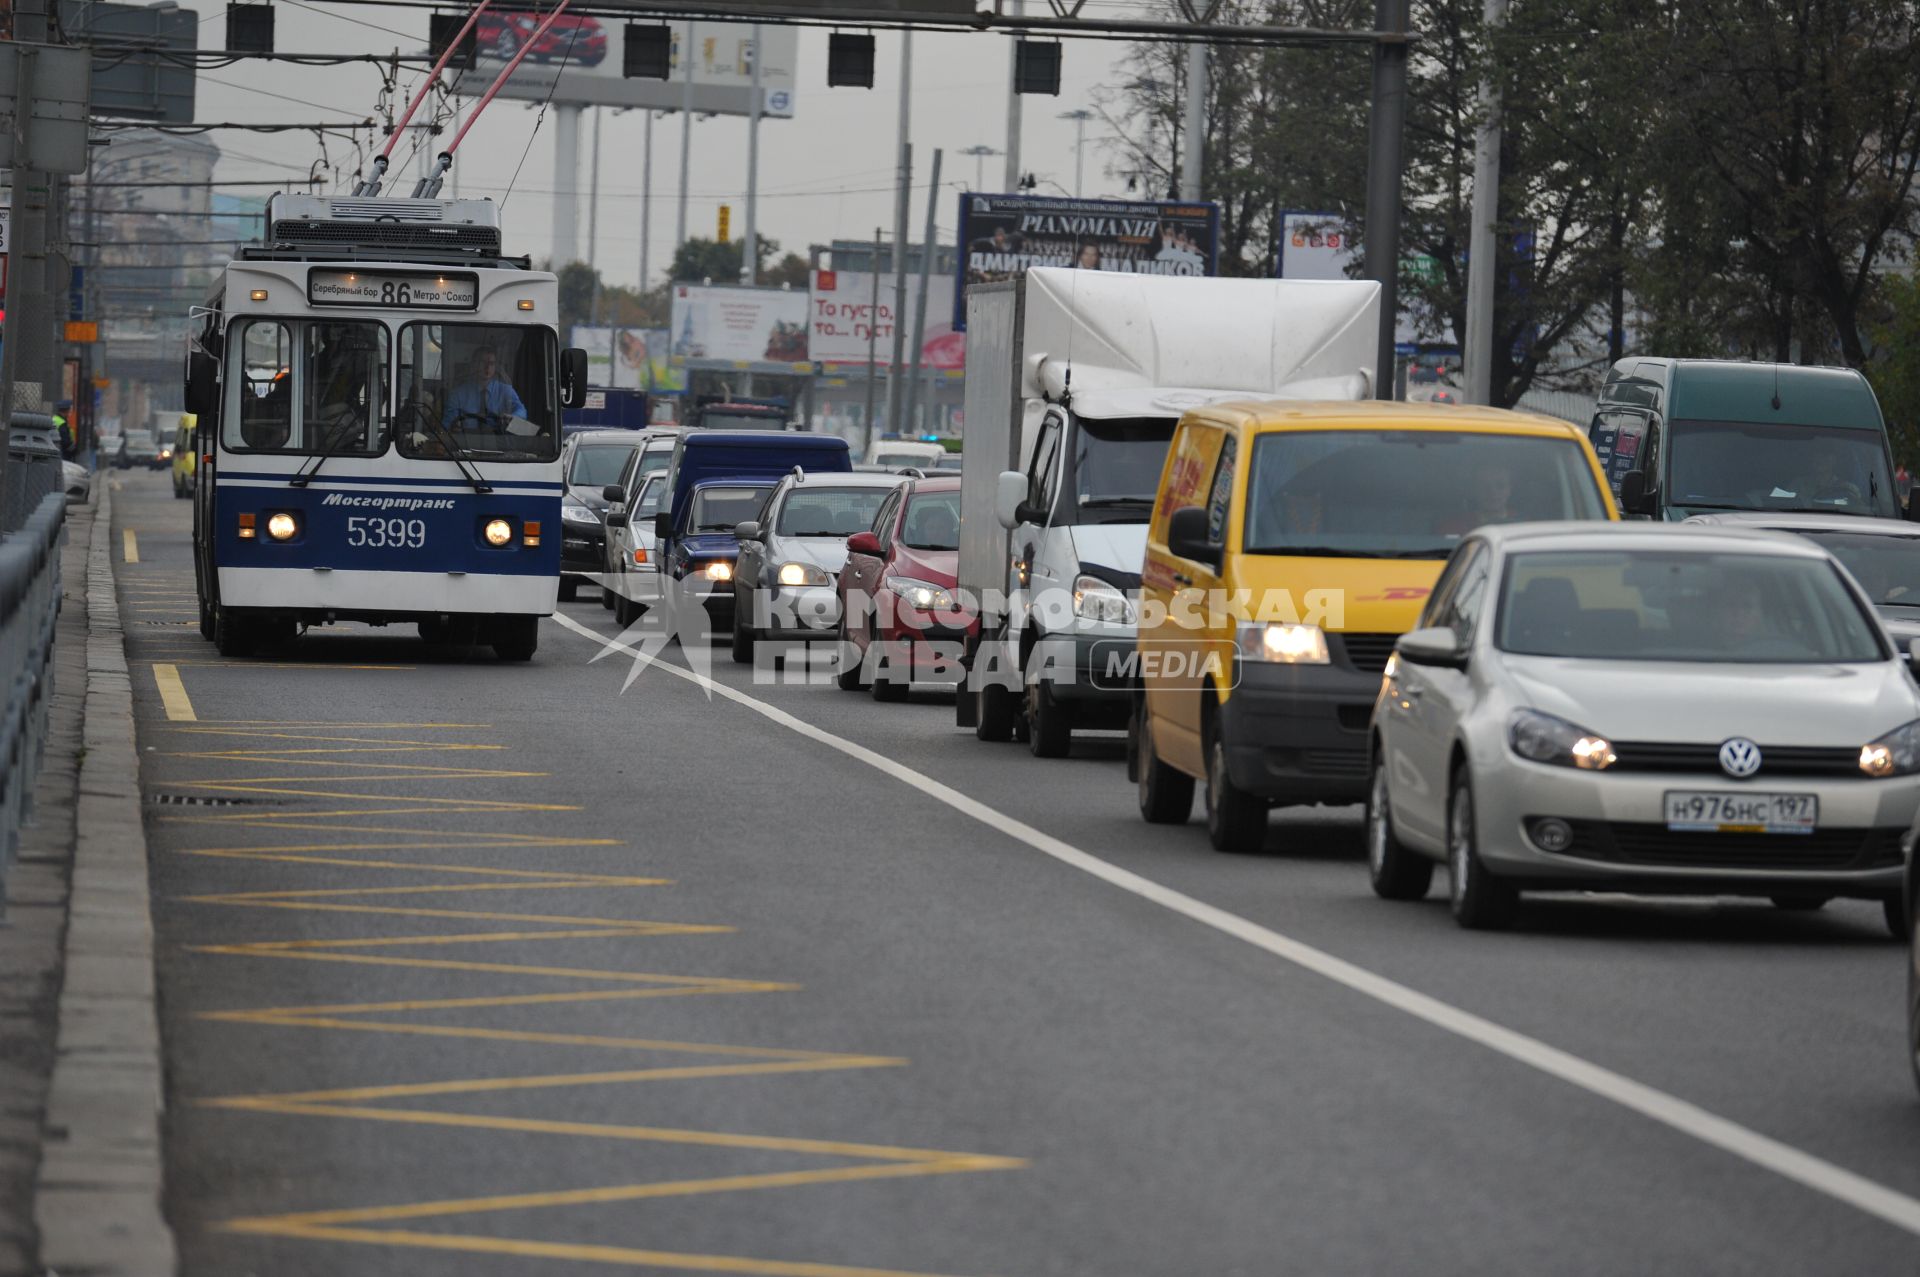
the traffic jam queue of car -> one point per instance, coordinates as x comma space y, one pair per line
1430, 611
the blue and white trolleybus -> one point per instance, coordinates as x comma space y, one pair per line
378, 390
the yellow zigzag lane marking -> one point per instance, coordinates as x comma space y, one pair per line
361, 1103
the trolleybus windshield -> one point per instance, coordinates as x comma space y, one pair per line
309, 386
483, 392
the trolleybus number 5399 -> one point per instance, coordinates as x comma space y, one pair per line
399, 534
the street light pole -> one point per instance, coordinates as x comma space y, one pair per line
980, 152
1079, 118
686, 135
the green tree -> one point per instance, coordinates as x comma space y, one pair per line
704, 259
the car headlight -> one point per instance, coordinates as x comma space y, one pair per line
923, 595
578, 514
721, 571
497, 532
803, 574
1895, 754
282, 526
1101, 601
1542, 738
1282, 644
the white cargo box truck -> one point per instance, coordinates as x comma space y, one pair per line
1075, 381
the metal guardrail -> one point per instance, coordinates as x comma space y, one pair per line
29, 606
33, 468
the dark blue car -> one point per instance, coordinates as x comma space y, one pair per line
721, 479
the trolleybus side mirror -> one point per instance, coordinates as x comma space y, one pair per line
573, 378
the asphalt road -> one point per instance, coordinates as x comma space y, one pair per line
473, 968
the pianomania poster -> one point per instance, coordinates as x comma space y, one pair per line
1002, 235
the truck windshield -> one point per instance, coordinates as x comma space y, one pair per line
722, 419
308, 386
1406, 494
480, 392
1117, 464
1738, 465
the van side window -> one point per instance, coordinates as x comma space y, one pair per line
1046, 463
1221, 494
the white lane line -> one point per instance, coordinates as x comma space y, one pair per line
1822, 1176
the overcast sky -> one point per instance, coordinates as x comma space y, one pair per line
827, 172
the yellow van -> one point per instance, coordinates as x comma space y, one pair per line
184, 459
1291, 545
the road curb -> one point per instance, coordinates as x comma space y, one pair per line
98, 1204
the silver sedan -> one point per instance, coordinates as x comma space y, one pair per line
1648, 708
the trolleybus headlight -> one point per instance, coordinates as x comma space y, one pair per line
498, 532
281, 526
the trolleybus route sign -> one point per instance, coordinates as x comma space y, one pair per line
426, 290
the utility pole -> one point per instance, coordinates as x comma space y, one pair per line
26, 334
1013, 104
873, 343
566, 184
750, 255
900, 213
686, 134
593, 218
1385, 125
1079, 118
1482, 252
920, 304
980, 152
646, 201
1194, 121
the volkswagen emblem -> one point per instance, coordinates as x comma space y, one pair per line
1739, 758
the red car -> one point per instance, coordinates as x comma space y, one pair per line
580, 41
897, 593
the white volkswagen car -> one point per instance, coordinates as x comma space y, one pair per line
1645, 708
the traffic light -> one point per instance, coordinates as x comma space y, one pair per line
250, 28
849, 60
441, 29
648, 51
1036, 67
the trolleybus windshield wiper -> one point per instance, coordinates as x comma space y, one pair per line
455, 453
334, 445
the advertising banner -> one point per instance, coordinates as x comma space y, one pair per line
1002, 235
579, 59
628, 358
739, 325
844, 314
1315, 246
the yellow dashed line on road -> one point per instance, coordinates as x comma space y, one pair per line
129, 546
173, 693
